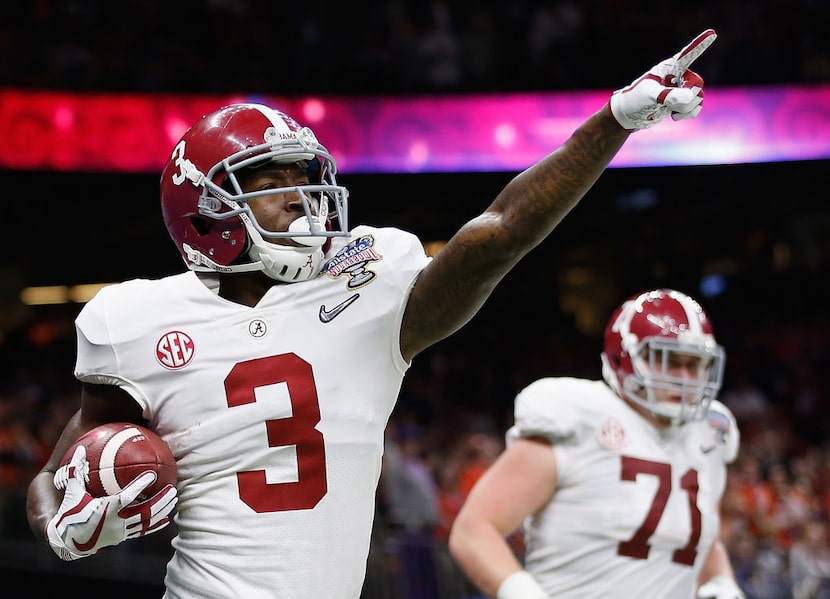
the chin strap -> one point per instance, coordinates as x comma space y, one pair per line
198, 262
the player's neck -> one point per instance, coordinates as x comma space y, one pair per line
661, 423
244, 288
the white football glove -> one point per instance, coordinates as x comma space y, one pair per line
720, 587
668, 88
85, 524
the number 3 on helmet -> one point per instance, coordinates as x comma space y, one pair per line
660, 353
207, 213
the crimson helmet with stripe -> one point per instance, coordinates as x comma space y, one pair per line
645, 337
207, 214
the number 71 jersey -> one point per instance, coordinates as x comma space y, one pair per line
635, 510
275, 413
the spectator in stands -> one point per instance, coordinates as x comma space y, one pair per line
809, 560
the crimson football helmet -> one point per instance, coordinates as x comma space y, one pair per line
207, 213
660, 353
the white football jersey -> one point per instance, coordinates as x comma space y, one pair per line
636, 508
275, 413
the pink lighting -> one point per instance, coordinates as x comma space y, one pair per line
135, 133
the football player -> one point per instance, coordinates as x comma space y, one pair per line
271, 366
616, 482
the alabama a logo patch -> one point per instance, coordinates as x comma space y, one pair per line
257, 328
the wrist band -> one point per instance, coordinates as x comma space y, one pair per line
520, 585
726, 583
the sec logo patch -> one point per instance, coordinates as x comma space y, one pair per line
612, 435
175, 350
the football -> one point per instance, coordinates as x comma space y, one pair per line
118, 452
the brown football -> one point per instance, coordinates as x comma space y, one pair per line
118, 452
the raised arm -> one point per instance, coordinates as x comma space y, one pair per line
454, 286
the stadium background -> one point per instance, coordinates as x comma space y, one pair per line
752, 241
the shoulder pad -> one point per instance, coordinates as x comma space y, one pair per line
722, 422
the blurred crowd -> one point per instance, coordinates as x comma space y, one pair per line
398, 46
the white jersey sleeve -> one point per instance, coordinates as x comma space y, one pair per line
275, 413
635, 509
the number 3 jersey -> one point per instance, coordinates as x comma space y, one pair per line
275, 413
636, 508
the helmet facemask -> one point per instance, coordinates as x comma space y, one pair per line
673, 378
324, 207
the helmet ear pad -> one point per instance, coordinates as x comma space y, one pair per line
227, 240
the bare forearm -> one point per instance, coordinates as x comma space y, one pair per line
42, 498
533, 203
485, 556
717, 563
42, 503
453, 288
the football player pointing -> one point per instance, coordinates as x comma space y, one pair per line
272, 365
618, 482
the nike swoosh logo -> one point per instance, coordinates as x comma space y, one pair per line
707, 449
93, 538
329, 315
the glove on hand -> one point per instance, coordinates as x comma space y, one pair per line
85, 524
668, 88
720, 587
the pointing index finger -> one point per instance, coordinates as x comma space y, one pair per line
693, 49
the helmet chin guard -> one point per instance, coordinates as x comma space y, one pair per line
287, 263
651, 383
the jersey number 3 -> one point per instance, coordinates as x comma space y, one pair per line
298, 430
637, 546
